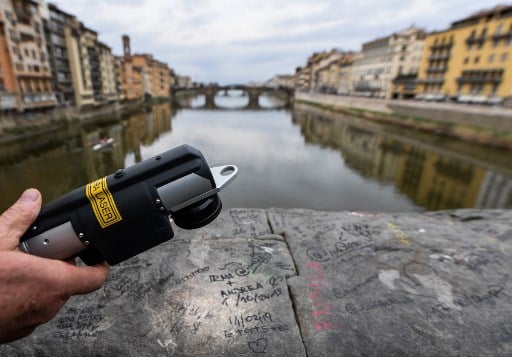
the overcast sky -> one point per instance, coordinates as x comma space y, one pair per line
237, 41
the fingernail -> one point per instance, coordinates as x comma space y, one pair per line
30, 195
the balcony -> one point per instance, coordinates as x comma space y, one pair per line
443, 57
478, 80
442, 69
431, 81
502, 36
481, 77
442, 46
7, 101
34, 100
476, 40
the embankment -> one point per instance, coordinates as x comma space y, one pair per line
491, 126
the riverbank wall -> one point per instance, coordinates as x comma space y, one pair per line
279, 282
491, 126
21, 124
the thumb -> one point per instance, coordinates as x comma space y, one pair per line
17, 218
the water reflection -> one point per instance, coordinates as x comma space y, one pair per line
62, 159
434, 175
307, 158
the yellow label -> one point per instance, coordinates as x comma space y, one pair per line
102, 203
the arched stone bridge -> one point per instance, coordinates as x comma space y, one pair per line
253, 92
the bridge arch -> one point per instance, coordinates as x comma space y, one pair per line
253, 92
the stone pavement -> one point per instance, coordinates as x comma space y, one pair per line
302, 283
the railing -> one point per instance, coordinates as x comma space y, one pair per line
501, 36
439, 57
442, 46
436, 69
431, 81
8, 101
478, 80
39, 98
475, 40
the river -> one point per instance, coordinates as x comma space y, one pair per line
299, 158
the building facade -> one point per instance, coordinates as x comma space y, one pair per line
8, 85
470, 61
77, 39
107, 73
55, 21
23, 35
141, 76
384, 59
281, 80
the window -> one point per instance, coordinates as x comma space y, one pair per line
477, 59
491, 58
499, 29
466, 60
504, 57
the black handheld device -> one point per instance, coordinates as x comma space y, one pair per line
128, 212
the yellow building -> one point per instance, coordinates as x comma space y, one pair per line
470, 61
437, 181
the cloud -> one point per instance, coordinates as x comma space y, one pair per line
233, 41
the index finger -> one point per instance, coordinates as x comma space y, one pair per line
83, 279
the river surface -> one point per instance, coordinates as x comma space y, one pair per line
298, 158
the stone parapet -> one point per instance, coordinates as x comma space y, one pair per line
300, 282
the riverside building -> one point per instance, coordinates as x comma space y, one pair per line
471, 60
26, 78
383, 60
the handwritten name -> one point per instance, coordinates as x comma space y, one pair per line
191, 275
340, 293
377, 304
255, 330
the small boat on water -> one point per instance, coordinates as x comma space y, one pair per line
104, 143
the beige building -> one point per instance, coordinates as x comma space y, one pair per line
25, 44
322, 72
108, 73
302, 78
281, 80
382, 60
92, 67
78, 40
319, 64
345, 65
120, 77
334, 76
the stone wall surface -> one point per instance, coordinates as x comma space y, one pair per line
302, 283
490, 117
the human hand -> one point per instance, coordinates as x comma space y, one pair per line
33, 289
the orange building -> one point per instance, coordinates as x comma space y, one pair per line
141, 76
26, 46
8, 89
